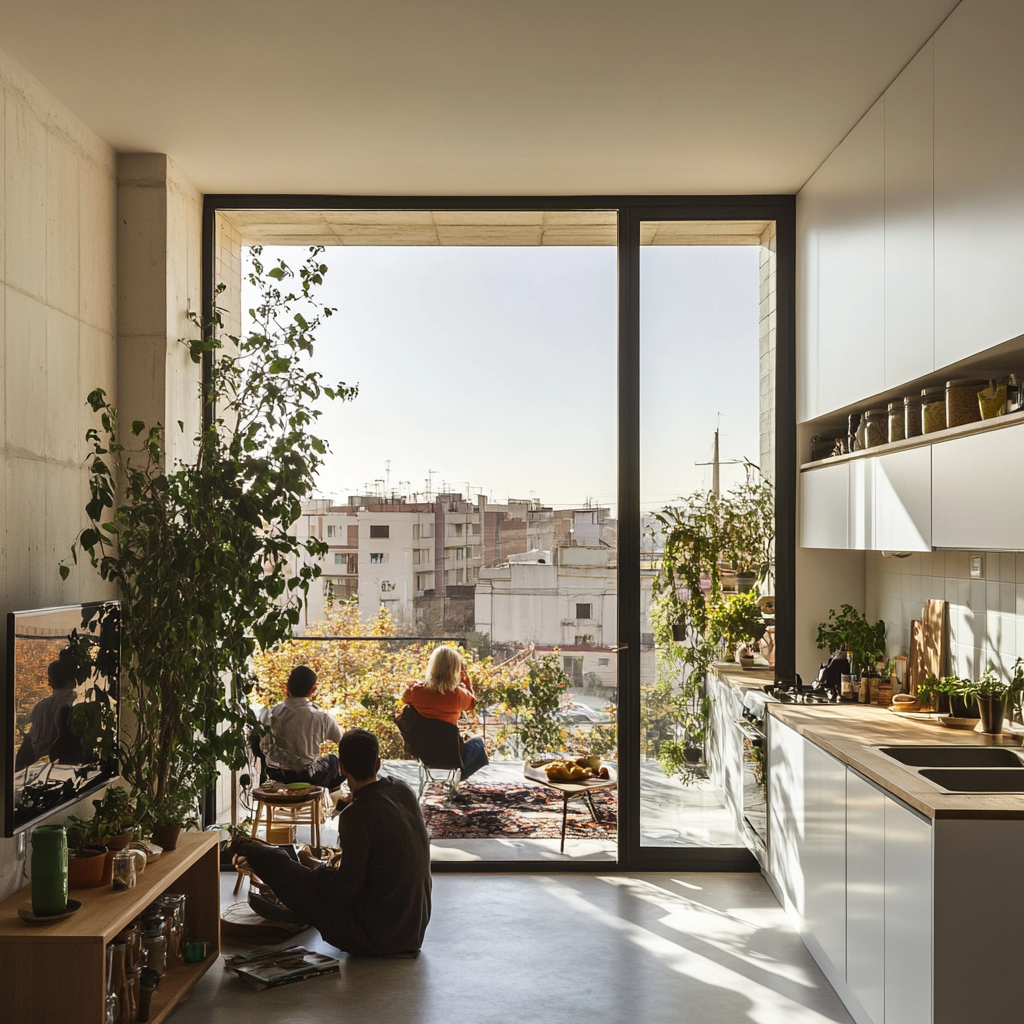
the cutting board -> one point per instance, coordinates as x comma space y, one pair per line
915, 660
935, 653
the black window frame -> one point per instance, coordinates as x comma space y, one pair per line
631, 211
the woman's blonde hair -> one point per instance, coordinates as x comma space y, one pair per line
444, 670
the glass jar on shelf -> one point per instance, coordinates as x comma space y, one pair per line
962, 401
933, 410
897, 421
876, 428
912, 416
173, 904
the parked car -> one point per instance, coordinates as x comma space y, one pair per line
580, 714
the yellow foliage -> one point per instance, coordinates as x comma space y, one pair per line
362, 681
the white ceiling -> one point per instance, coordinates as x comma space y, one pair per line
473, 97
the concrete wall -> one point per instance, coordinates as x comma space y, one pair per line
57, 342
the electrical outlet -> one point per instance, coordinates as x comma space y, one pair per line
977, 567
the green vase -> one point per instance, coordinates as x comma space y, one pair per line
49, 870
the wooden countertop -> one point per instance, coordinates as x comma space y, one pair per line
848, 731
733, 674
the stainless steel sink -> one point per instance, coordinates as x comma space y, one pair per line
976, 780
953, 757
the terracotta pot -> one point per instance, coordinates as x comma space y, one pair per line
121, 840
85, 869
166, 836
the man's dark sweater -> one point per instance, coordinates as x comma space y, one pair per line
378, 901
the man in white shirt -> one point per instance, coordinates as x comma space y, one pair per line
294, 731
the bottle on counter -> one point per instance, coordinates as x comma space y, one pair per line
864, 695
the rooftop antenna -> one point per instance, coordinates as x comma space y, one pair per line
430, 483
716, 464
387, 475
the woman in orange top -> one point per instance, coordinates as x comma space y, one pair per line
444, 694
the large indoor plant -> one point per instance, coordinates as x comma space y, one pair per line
200, 550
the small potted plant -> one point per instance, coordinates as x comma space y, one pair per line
86, 855
993, 695
848, 629
953, 694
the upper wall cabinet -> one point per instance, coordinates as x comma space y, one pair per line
842, 235
909, 236
979, 178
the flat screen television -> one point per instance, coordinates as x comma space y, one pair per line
63, 683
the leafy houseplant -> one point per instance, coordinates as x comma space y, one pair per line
705, 533
847, 628
962, 703
993, 695
737, 620
200, 550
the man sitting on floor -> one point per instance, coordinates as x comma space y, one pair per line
296, 729
377, 902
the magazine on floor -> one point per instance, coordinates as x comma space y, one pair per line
263, 969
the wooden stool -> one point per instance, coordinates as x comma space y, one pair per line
304, 807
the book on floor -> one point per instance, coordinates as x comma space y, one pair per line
262, 969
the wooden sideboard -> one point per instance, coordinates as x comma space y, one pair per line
57, 972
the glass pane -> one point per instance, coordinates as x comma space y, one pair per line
706, 393
469, 499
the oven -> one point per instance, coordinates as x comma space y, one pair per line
754, 789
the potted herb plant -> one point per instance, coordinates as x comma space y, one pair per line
993, 695
848, 630
953, 692
201, 550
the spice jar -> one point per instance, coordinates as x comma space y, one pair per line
912, 416
897, 422
933, 410
962, 401
876, 428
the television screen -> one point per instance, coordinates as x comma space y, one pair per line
63, 670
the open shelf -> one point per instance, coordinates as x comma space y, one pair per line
981, 427
57, 972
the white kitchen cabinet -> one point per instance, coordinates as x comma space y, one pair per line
902, 501
979, 187
825, 507
909, 892
841, 225
909, 223
878, 504
977, 492
824, 853
786, 819
865, 895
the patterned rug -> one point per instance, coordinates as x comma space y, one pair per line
497, 810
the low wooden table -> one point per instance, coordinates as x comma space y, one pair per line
571, 790
56, 973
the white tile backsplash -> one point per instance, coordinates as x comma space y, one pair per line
986, 616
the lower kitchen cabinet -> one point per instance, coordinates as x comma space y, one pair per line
855, 866
865, 894
909, 886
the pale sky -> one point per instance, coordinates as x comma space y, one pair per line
496, 367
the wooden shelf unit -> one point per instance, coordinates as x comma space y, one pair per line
57, 972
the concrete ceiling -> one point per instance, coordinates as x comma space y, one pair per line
474, 97
448, 227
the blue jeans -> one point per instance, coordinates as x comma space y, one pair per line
474, 756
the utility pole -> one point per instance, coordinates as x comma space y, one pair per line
716, 464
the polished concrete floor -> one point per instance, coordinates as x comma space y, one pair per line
562, 949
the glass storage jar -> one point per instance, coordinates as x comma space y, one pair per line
876, 428
897, 422
992, 400
962, 401
854, 432
933, 410
912, 416
173, 904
